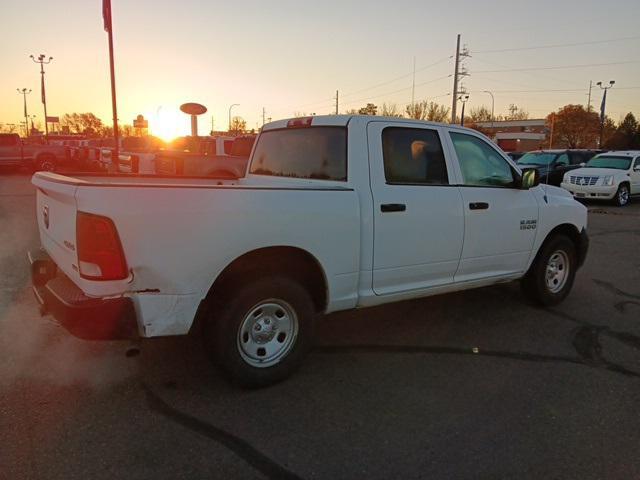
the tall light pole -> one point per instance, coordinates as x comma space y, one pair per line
24, 92
463, 99
232, 105
603, 107
41, 60
493, 104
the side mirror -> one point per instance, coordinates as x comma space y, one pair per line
530, 178
636, 168
582, 165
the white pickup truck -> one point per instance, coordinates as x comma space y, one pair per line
335, 213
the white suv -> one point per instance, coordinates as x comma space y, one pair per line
608, 176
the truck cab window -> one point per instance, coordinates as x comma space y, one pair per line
413, 156
318, 153
480, 163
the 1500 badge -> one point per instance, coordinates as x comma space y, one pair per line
528, 224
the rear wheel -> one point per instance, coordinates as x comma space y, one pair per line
550, 278
261, 333
622, 195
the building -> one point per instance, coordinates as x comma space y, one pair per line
517, 135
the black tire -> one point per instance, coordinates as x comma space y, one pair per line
227, 314
535, 285
45, 163
623, 195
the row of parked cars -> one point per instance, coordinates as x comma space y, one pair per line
587, 174
211, 156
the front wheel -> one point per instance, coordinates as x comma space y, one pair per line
622, 195
261, 334
550, 278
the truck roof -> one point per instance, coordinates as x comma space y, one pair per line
343, 121
625, 153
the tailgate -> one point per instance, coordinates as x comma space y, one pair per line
56, 216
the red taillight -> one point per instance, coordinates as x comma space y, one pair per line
299, 122
100, 255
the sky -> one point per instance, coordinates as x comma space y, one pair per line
290, 57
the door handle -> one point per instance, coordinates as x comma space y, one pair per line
393, 207
478, 206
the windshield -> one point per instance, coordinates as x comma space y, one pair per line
607, 161
537, 158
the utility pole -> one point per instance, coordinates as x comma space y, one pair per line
108, 27
455, 82
603, 107
589, 102
553, 121
42, 62
263, 114
336, 102
24, 92
413, 84
460, 71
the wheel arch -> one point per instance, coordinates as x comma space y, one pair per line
570, 231
293, 262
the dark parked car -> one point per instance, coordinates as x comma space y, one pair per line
515, 155
553, 164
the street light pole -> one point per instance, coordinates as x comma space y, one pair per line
493, 104
233, 105
24, 92
42, 62
603, 107
463, 99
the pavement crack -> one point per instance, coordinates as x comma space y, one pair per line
589, 354
237, 445
622, 306
615, 290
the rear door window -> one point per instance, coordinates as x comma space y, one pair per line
317, 153
413, 156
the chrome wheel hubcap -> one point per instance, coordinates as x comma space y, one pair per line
623, 196
267, 333
557, 271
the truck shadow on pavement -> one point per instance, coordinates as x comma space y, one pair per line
584, 350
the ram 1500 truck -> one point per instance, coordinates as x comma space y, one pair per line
15, 152
334, 213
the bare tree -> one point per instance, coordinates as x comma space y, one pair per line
417, 111
479, 114
238, 126
390, 110
437, 113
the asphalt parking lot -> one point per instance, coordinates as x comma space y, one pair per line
478, 384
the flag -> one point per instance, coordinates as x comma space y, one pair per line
602, 107
106, 14
44, 97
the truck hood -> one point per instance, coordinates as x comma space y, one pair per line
597, 172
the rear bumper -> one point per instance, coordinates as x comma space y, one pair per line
84, 317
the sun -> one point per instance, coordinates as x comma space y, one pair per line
167, 124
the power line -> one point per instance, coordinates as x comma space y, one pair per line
558, 67
395, 91
406, 75
558, 45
